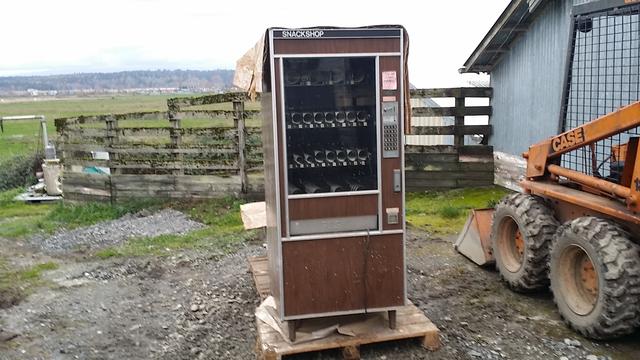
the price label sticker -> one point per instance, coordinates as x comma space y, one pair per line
389, 80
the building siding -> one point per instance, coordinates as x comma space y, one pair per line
528, 82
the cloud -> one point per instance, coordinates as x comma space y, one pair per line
76, 36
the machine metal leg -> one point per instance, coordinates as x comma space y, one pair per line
292, 325
392, 319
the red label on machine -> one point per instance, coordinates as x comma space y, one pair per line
389, 80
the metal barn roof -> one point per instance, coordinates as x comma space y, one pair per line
513, 21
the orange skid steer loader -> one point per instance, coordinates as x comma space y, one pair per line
573, 228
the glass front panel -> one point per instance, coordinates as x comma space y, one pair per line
330, 115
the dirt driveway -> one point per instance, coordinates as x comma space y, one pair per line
198, 305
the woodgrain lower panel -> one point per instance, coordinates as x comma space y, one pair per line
385, 272
336, 275
322, 208
323, 276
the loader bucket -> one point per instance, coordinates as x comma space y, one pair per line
475, 240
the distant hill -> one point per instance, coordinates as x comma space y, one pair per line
125, 81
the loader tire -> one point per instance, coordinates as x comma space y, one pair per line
522, 230
595, 278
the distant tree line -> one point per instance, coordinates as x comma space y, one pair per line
181, 79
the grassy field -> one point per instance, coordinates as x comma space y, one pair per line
15, 284
445, 212
21, 137
223, 229
19, 220
222, 234
440, 213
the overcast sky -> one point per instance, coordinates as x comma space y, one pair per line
66, 36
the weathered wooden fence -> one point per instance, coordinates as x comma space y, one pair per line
187, 151
451, 166
192, 150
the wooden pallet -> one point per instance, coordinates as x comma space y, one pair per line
411, 323
259, 267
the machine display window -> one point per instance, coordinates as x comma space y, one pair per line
330, 121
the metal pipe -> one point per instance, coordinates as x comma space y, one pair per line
24, 117
43, 125
602, 185
19, 117
45, 136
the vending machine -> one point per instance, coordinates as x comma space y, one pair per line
334, 112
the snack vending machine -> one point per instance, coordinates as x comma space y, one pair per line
334, 112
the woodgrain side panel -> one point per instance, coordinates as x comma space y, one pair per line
385, 272
336, 46
322, 208
323, 276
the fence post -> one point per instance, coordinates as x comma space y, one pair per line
61, 126
112, 139
238, 119
176, 141
458, 139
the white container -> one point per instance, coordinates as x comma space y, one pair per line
52, 171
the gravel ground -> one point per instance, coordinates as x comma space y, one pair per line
197, 305
114, 232
139, 309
